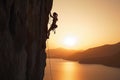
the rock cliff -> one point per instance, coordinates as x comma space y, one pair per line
23, 30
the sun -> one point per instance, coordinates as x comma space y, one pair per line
69, 41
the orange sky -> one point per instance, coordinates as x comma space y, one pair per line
91, 22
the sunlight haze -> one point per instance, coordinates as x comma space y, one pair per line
91, 22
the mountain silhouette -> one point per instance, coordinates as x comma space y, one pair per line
60, 53
107, 55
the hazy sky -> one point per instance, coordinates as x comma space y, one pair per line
90, 22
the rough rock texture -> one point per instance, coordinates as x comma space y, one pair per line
23, 30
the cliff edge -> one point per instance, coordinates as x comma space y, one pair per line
23, 32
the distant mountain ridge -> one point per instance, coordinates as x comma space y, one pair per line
106, 55
102, 51
60, 53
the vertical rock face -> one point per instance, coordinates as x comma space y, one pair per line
23, 30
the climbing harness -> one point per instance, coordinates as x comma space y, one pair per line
53, 28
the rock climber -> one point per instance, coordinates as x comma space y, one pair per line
53, 25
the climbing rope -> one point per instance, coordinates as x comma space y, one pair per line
49, 61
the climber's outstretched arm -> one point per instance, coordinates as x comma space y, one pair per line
51, 15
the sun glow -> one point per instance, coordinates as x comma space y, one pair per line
69, 41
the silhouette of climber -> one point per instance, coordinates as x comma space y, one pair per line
53, 25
